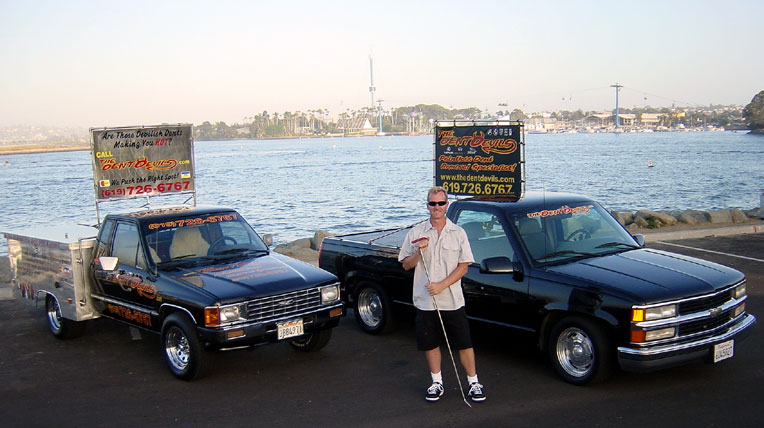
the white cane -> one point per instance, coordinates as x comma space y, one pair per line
445, 335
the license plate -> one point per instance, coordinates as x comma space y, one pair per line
290, 329
724, 350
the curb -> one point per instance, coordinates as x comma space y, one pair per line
703, 233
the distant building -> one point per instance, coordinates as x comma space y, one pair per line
356, 126
597, 120
650, 120
541, 124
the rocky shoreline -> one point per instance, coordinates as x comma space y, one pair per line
657, 219
641, 221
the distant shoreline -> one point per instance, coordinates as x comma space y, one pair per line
34, 148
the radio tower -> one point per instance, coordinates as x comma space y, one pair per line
371, 74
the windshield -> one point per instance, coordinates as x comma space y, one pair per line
563, 233
197, 238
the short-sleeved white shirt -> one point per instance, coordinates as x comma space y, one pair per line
442, 256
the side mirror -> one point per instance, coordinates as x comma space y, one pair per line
268, 239
499, 264
108, 263
640, 238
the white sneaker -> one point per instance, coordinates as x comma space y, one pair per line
434, 392
476, 392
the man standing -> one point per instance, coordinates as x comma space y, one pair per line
447, 254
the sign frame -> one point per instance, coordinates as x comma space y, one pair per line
487, 156
133, 162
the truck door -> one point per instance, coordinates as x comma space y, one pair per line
498, 298
129, 291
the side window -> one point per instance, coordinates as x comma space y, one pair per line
104, 238
127, 246
486, 235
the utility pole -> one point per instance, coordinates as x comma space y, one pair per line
617, 116
371, 74
379, 112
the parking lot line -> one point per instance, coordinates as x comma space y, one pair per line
710, 251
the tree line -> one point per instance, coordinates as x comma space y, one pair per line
418, 119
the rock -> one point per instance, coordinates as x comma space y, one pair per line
318, 237
666, 218
293, 246
688, 219
640, 221
673, 213
306, 255
652, 216
700, 216
738, 216
720, 216
298, 250
624, 217
753, 213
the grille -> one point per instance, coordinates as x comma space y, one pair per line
705, 324
283, 305
705, 303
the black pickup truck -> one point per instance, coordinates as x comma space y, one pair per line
560, 266
201, 277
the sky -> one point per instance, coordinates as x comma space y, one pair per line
128, 63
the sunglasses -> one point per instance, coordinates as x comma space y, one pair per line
438, 203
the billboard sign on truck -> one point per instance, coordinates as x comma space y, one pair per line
137, 162
480, 158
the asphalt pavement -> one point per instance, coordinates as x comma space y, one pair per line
107, 378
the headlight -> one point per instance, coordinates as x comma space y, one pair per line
330, 294
740, 291
230, 313
217, 315
654, 313
739, 310
663, 333
660, 312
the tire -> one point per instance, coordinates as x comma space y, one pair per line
59, 326
580, 351
312, 341
185, 356
372, 307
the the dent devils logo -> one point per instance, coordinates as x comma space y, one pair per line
502, 146
139, 163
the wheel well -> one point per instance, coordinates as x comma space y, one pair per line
166, 310
352, 282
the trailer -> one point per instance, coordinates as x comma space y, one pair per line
50, 265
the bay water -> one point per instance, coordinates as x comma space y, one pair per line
293, 187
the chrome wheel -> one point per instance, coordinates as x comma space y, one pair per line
55, 320
177, 348
185, 355
575, 352
369, 306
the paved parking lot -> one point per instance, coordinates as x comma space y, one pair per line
106, 378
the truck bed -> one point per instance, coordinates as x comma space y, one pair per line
54, 260
387, 238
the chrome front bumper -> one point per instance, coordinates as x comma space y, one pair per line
658, 357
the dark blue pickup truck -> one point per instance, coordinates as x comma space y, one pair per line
198, 276
560, 266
